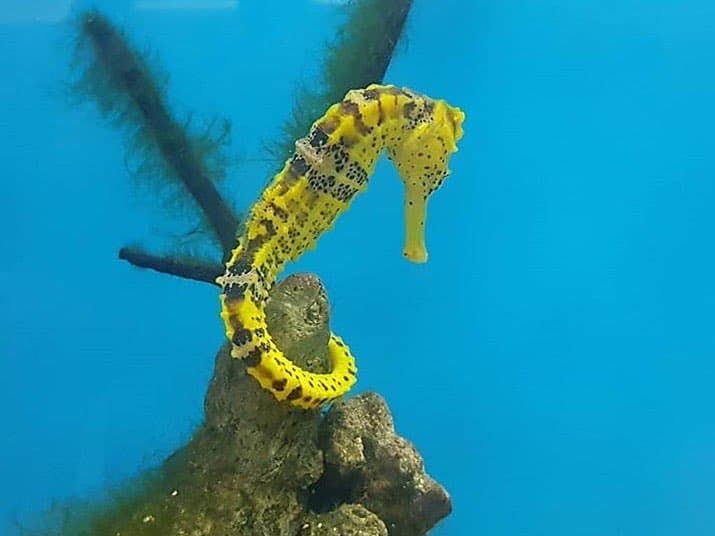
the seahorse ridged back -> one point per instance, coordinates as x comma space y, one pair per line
329, 167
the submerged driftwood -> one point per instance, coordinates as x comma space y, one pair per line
257, 467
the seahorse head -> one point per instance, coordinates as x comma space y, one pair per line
422, 160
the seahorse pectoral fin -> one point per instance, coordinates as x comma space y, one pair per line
415, 219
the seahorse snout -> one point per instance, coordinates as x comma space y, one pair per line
416, 254
415, 220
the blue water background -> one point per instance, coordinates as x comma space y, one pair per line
553, 361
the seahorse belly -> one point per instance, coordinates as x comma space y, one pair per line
329, 167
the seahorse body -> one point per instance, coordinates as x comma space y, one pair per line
330, 166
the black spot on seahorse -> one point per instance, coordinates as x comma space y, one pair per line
279, 385
234, 291
318, 138
253, 359
241, 336
299, 165
295, 393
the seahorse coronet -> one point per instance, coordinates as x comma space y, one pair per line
329, 167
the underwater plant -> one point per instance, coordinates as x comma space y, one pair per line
358, 56
131, 92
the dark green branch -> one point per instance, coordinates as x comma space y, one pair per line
357, 57
367, 44
128, 72
188, 269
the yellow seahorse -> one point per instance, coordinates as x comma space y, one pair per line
330, 166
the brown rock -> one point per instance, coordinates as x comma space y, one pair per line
367, 463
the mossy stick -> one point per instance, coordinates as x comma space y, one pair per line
128, 73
